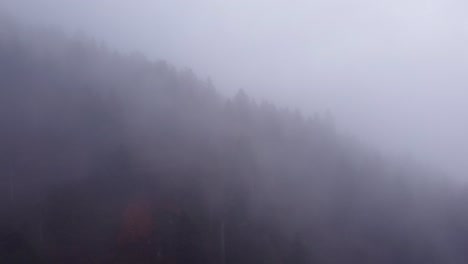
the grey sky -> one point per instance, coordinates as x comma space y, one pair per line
394, 72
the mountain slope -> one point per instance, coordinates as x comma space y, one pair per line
111, 158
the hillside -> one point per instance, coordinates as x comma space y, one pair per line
113, 158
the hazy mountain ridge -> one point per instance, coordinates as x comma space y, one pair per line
110, 158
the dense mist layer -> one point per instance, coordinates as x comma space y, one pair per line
114, 158
392, 72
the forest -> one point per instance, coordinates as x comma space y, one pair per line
108, 157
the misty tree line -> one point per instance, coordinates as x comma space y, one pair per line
113, 158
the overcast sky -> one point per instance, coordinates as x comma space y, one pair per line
393, 72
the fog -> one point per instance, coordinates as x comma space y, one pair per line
393, 73
213, 132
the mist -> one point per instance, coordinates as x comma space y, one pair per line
212, 132
391, 72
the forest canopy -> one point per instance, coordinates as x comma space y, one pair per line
114, 158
